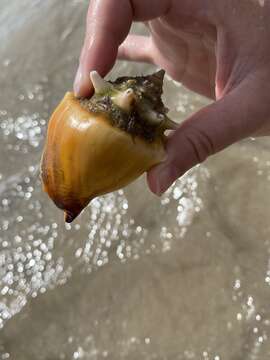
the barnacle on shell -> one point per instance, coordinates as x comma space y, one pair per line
98, 145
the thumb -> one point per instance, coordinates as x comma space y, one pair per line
236, 116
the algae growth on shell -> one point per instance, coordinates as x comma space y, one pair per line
133, 104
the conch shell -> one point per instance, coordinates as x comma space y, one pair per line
98, 145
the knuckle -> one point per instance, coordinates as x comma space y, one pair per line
201, 144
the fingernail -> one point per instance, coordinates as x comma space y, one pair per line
77, 82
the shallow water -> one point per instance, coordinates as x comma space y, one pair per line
184, 276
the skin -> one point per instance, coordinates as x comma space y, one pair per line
220, 49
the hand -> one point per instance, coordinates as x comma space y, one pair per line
220, 49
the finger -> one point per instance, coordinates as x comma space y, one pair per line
103, 36
137, 48
108, 23
213, 128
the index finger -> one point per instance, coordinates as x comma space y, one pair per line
108, 24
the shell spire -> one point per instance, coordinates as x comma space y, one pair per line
159, 74
158, 78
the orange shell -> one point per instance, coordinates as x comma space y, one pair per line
85, 156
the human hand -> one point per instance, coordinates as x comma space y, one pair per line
219, 49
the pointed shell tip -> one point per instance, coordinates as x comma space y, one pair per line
69, 217
100, 85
